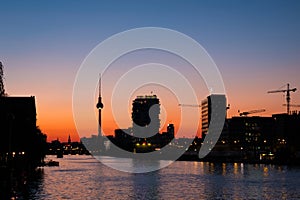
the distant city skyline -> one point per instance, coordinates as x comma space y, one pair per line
255, 45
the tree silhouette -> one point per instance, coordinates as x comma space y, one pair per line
2, 90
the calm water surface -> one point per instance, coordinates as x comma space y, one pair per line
83, 177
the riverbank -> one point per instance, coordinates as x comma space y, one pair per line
237, 159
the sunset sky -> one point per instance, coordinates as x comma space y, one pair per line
255, 44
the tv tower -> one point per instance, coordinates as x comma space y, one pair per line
99, 107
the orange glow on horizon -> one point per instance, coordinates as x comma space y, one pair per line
60, 126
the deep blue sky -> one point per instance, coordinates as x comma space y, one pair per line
255, 44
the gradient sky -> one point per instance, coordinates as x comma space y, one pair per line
255, 44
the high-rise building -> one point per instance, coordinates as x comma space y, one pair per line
145, 116
206, 109
205, 116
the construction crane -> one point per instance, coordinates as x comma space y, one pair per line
196, 105
189, 105
291, 105
251, 112
288, 97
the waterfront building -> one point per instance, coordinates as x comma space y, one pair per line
145, 116
286, 135
59, 149
168, 136
123, 133
171, 130
17, 123
92, 144
20, 136
124, 139
206, 110
253, 136
205, 116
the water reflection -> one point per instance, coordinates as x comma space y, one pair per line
242, 168
223, 169
133, 165
266, 171
21, 184
146, 186
82, 177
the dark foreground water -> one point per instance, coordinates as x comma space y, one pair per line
83, 177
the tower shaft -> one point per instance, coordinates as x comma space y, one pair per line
99, 107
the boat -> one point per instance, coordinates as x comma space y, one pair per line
51, 163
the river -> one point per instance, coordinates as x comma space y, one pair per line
83, 177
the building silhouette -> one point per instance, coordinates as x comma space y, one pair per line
21, 139
259, 139
252, 135
170, 129
144, 136
286, 136
205, 116
145, 116
165, 137
17, 123
206, 110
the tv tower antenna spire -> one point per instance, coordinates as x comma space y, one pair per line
99, 107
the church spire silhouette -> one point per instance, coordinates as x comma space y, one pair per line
69, 139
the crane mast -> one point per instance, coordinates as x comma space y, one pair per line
288, 96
